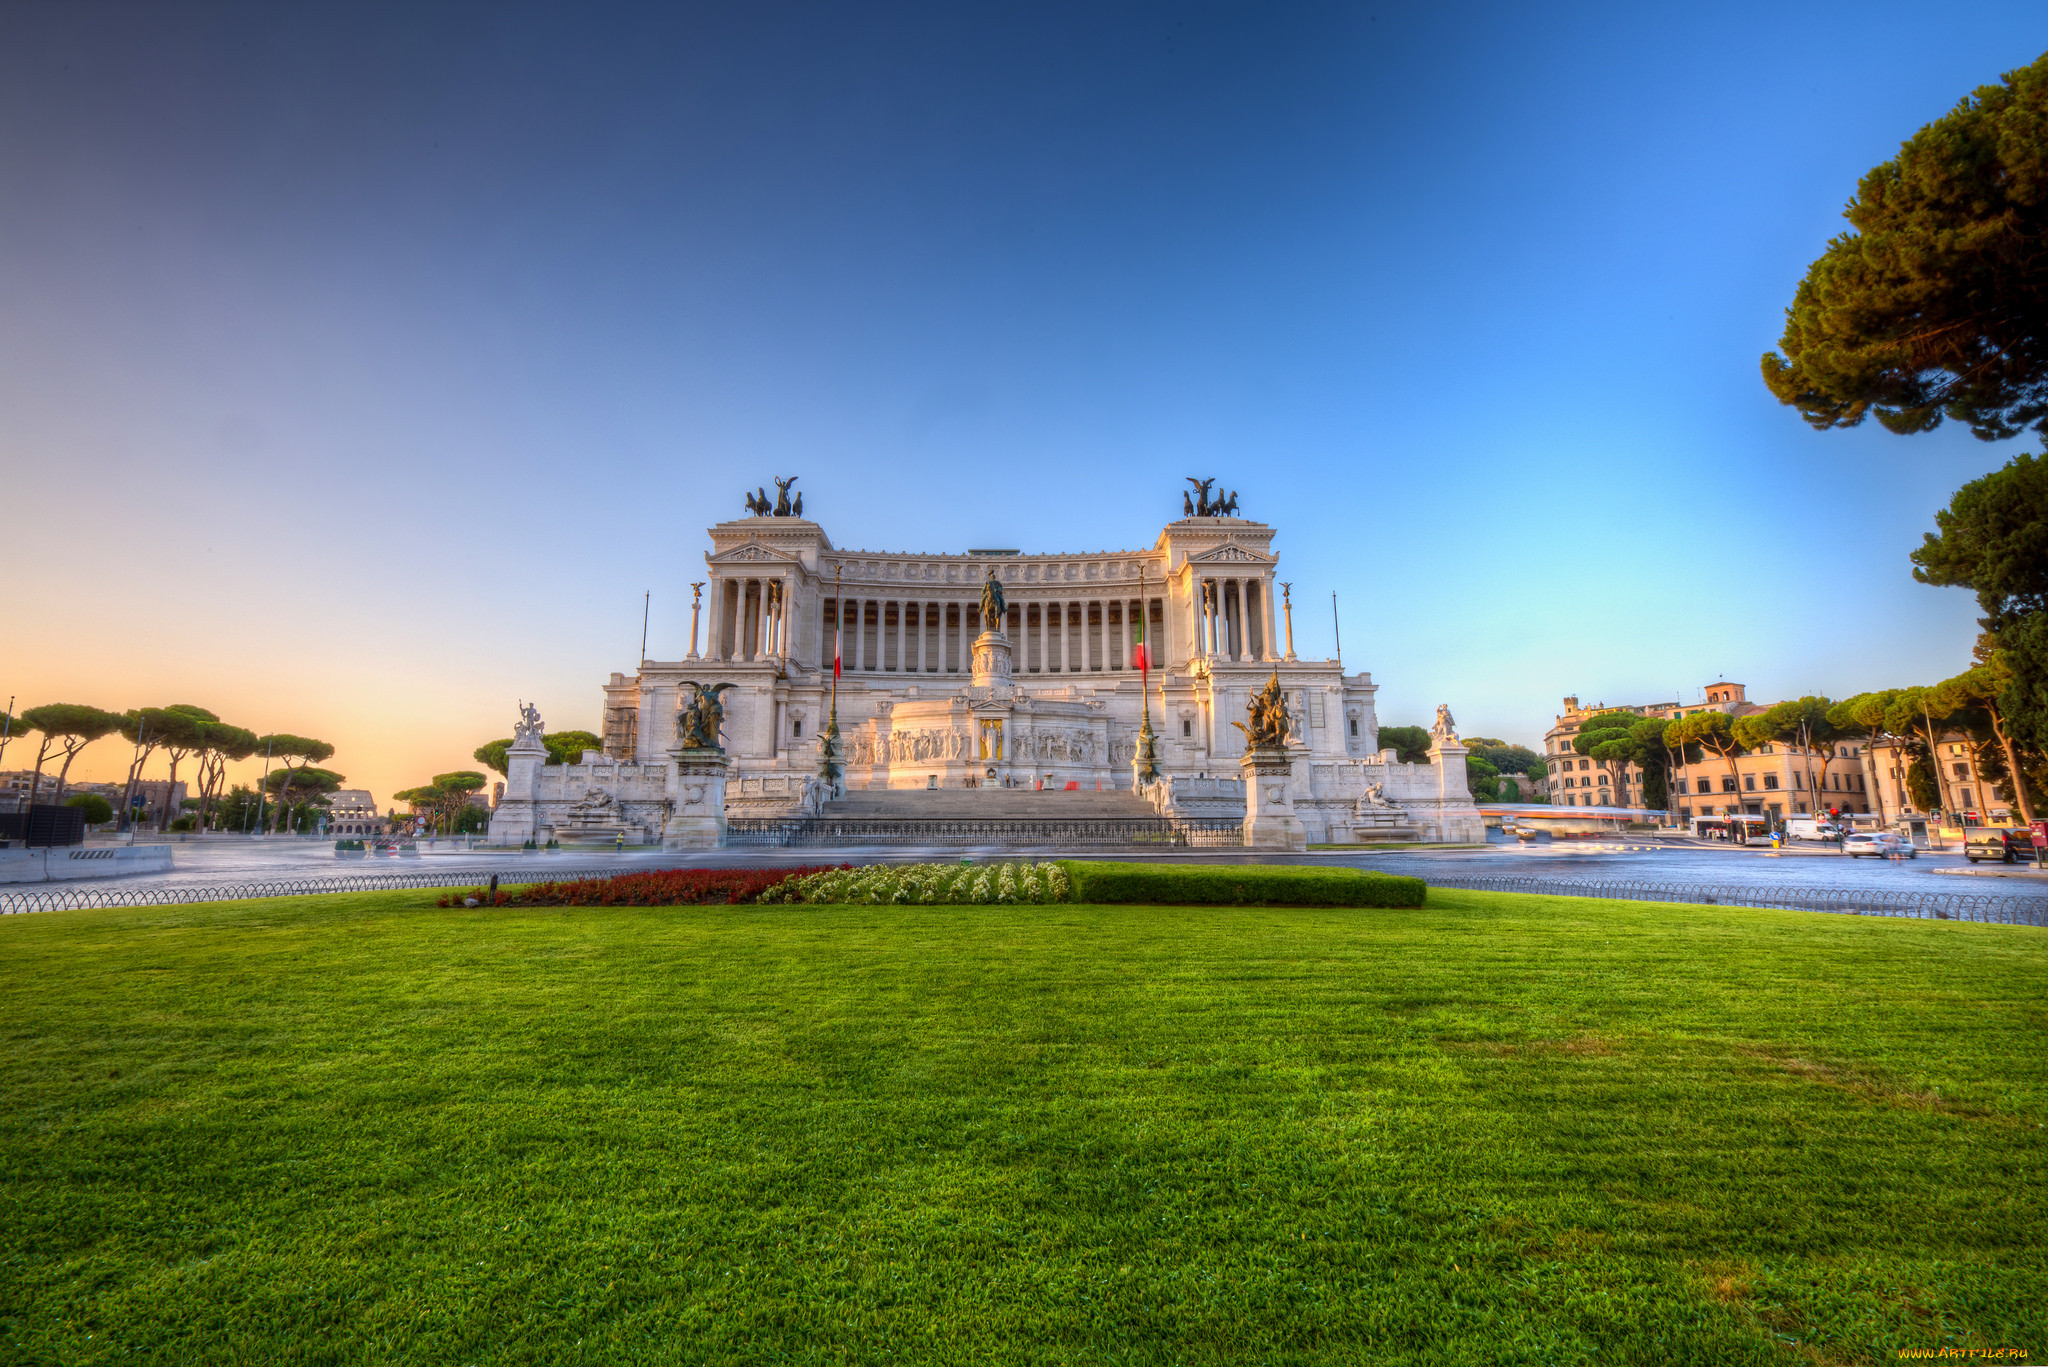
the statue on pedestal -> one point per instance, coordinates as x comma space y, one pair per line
1445, 728
1269, 719
528, 727
698, 724
993, 606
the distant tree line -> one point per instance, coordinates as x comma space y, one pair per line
184, 734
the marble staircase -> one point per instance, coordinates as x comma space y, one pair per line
985, 804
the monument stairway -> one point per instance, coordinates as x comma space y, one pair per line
985, 804
1011, 818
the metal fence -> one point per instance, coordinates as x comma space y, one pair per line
1925, 905
1012, 832
1929, 905
72, 898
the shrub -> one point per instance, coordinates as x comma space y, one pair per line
928, 885
97, 810
659, 888
1240, 885
184, 823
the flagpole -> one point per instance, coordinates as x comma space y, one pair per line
828, 765
1147, 768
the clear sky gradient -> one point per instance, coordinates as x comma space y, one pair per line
360, 369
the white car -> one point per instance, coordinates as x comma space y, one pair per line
1883, 844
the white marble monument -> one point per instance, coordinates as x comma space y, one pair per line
945, 685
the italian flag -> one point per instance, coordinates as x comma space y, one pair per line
838, 620
1139, 648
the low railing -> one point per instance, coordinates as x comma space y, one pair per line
1016, 832
1932, 905
79, 899
1927, 905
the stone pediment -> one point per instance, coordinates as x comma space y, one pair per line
1229, 555
754, 551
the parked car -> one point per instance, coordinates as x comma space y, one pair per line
1811, 828
1883, 844
1997, 842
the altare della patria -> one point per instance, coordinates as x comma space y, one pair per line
1141, 694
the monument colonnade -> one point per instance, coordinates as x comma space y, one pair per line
1228, 617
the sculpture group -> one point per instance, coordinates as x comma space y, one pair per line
1201, 505
698, 724
1267, 729
759, 506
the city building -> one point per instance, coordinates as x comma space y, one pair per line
1768, 781
150, 794
1965, 791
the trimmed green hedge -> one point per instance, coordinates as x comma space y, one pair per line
1239, 885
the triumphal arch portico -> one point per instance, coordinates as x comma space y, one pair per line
1054, 696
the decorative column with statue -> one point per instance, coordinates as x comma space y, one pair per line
1450, 815
1269, 819
992, 647
697, 772
515, 820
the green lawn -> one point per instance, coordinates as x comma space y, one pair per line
1496, 1129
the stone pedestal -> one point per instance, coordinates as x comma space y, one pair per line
697, 791
992, 658
1269, 819
516, 818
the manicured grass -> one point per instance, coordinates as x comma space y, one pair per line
1492, 1129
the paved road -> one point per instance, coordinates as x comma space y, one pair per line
238, 862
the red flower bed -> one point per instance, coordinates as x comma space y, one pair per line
659, 888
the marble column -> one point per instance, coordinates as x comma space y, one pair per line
1266, 651
714, 647
1238, 622
760, 620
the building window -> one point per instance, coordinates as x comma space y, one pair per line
1771, 782
1187, 728
1705, 786
1354, 726
1749, 782
796, 728
1962, 770
1966, 798
1728, 784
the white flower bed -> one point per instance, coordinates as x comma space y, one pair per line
928, 885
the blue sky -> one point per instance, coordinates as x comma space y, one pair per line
360, 369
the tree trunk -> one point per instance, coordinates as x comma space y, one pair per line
35, 784
2012, 766
134, 777
64, 773
1934, 763
164, 817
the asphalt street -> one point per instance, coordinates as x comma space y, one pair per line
236, 862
